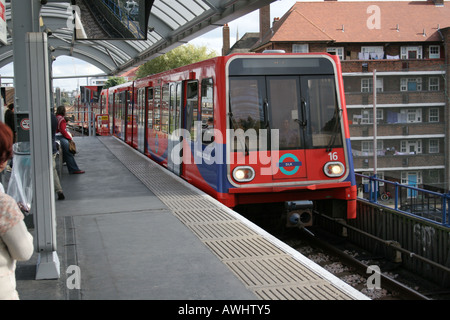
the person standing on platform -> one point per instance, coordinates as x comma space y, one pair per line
16, 243
9, 121
63, 136
56, 182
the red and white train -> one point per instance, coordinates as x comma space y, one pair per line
245, 128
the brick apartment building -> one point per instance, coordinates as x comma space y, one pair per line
408, 44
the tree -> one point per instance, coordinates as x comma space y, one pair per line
178, 57
113, 81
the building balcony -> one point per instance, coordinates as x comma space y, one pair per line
395, 97
402, 130
388, 65
397, 161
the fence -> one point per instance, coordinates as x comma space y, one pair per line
427, 205
407, 224
83, 120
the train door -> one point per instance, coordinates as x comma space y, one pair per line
111, 111
174, 157
141, 121
288, 116
130, 118
272, 103
305, 110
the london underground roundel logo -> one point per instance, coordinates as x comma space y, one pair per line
285, 165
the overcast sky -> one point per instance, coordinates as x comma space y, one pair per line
65, 65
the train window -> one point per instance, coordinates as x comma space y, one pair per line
174, 115
247, 95
157, 108
172, 107
192, 108
110, 111
207, 111
178, 107
150, 108
324, 112
140, 106
165, 108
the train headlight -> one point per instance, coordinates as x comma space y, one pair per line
333, 169
243, 174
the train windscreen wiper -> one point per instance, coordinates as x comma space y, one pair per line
335, 131
233, 123
302, 122
266, 113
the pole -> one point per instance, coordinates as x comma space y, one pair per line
43, 206
375, 159
374, 122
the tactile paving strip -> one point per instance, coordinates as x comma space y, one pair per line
263, 267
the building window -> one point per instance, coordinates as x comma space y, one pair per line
367, 85
412, 115
435, 52
433, 84
434, 176
374, 52
411, 84
337, 51
411, 146
367, 116
433, 146
433, 115
298, 48
411, 52
367, 147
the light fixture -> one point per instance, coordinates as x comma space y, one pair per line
243, 174
333, 169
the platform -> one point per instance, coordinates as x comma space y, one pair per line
137, 231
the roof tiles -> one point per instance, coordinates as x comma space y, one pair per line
364, 21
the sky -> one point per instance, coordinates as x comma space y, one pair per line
70, 66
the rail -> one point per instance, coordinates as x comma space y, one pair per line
421, 203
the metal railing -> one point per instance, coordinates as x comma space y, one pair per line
77, 120
421, 203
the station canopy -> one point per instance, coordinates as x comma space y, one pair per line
171, 23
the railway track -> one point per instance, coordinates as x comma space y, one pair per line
354, 266
377, 277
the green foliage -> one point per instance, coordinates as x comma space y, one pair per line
178, 57
113, 81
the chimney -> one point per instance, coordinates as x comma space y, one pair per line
226, 39
275, 21
264, 21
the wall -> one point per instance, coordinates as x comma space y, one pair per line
426, 239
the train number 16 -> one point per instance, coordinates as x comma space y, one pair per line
333, 156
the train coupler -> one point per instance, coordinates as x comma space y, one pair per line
299, 213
